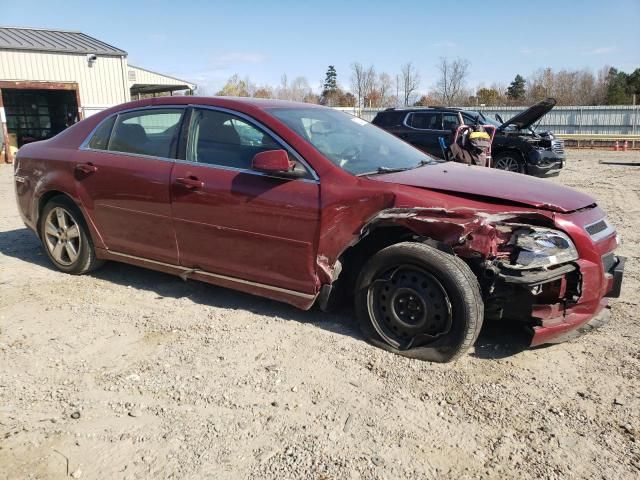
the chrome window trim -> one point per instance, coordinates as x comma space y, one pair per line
406, 119
315, 179
85, 144
266, 129
244, 170
610, 230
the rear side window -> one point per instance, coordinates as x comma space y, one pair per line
100, 139
149, 132
388, 119
425, 120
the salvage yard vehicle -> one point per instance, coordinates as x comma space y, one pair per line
305, 204
517, 146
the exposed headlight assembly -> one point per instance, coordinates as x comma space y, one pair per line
538, 247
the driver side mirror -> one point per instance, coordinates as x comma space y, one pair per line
499, 118
272, 161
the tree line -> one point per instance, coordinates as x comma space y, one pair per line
369, 88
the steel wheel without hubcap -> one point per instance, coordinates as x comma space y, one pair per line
62, 236
409, 307
507, 163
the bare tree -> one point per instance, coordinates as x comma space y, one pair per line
410, 81
450, 87
363, 82
385, 89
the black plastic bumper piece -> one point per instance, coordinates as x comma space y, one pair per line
524, 277
618, 272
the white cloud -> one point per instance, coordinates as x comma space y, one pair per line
533, 51
234, 58
445, 44
599, 51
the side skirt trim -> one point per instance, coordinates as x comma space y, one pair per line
189, 271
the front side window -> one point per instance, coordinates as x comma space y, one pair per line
425, 120
147, 132
450, 121
220, 138
351, 143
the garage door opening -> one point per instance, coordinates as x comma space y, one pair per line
34, 114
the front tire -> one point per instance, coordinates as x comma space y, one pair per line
510, 162
419, 302
66, 238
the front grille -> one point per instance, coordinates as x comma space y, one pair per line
557, 146
596, 228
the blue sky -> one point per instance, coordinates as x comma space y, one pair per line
207, 41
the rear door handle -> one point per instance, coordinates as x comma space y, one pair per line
191, 183
86, 167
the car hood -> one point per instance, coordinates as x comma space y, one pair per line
531, 115
486, 184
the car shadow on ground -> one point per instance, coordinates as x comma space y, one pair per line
496, 340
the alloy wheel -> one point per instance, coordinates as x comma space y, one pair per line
62, 236
509, 164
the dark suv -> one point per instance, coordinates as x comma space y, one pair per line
517, 147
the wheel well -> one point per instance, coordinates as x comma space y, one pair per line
44, 199
354, 257
509, 150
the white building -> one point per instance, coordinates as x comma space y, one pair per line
51, 78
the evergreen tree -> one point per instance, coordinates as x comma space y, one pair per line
330, 86
516, 88
617, 87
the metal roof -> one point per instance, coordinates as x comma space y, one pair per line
43, 40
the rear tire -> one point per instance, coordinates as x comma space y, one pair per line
66, 238
509, 161
419, 302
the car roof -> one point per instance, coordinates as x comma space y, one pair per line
227, 102
422, 109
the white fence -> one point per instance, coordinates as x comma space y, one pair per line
598, 120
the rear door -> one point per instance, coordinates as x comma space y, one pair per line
235, 221
423, 131
123, 173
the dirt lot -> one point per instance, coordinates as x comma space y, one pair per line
129, 373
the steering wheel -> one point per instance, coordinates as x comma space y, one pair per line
349, 154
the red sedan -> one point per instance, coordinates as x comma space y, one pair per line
308, 205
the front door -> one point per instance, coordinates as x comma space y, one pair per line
235, 221
423, 132
123, 176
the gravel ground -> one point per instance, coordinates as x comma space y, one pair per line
128, 373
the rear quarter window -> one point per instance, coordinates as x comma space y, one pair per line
388, 119
100, 138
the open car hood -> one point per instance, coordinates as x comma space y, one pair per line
491, 185
531, 115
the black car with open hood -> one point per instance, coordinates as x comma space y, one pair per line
517, 146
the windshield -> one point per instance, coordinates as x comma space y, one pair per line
351, 143
489, 121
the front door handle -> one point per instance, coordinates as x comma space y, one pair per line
190, 183
86, 168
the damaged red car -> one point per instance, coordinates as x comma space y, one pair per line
308, 205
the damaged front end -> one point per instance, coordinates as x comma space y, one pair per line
528, 271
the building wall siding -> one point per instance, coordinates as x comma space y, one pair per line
148, 77
100, 86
